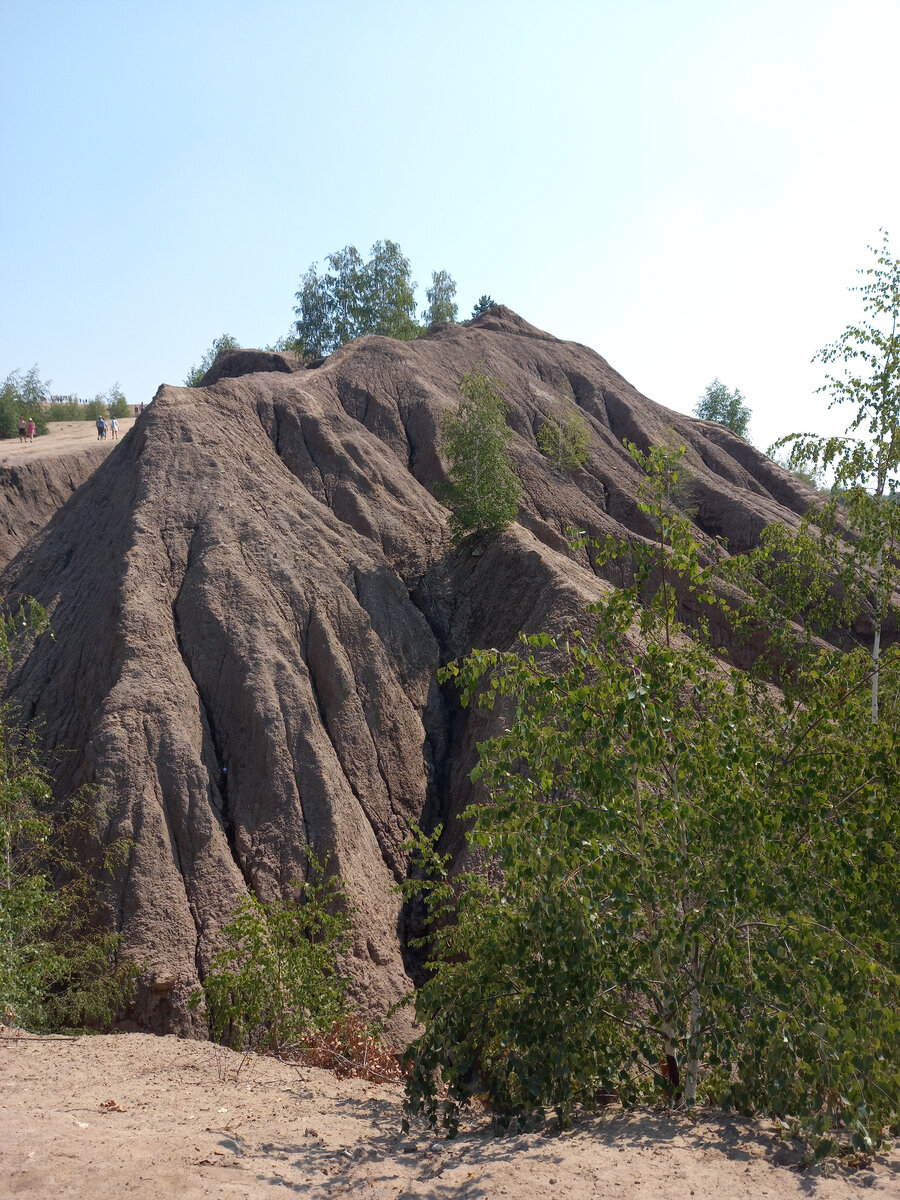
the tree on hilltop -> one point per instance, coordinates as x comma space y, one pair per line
441, 305
354, 297
225, 342
482, 304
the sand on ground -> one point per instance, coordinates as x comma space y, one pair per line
63, 438
149, 1117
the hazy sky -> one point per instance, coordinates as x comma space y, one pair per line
687, 187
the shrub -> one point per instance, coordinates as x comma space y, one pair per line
692, 877
565, 441
276, 984
483, 490
58, 969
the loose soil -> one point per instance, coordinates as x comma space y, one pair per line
145, 1116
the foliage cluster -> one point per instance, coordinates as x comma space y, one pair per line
863, 372
58, 969
21, 397
356, 296
565, 441
691, 877
275, 984
482, 304
718, 403
352, 1049
441, 305
483, 490
196, 373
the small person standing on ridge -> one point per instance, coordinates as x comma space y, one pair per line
21, 430
114, 428
31, 429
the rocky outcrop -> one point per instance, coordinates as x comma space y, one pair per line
244, 662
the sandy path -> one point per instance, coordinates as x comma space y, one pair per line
63, 438
196, 1123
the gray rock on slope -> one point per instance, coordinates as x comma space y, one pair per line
244, 662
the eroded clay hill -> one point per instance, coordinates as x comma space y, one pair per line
250, 600
31, 492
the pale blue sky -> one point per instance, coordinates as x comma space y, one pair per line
687, 187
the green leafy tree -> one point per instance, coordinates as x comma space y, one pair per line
355, 297
276, 983
483, 490
288, 341
92, 409
23, 397
482, 304
691, 879
196, 373
116, 404
441, 305
725, 407
863, 373
58, 969
389, 300
69, 409
565, 441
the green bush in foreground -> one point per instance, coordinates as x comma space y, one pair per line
692, 878
276, 984
58, 969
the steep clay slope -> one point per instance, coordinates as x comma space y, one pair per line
31, 492
244, 660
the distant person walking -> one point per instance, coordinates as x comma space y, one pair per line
21, 430
101, 429
114, 428
30, 428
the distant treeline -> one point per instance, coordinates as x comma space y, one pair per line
87, 410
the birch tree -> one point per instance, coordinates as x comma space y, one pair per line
690, 880
863, 373
483, 490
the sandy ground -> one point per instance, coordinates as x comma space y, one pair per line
63, 438
141, 1116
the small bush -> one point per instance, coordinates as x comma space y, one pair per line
66, 410
566, 442
483, 491
275, 985
58, 969
352, 1050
